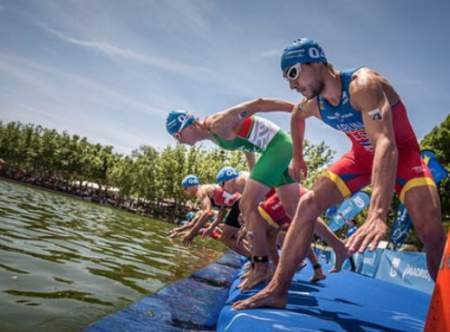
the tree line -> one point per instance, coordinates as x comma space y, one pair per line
146, 173
154, 175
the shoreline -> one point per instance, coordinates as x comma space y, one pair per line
90, 195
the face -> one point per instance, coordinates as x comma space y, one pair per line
309, 81
188, 135
191, 191
230, 186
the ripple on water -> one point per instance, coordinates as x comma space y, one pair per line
58, 252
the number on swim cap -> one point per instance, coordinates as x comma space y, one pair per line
314, 52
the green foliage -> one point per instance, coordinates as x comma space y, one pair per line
316, 157
146, 173
438, 140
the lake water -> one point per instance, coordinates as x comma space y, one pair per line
65, 262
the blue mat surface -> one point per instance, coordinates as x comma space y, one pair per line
345, 301
193, 303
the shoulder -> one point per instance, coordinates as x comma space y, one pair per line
306, 108
204, 191
366, 90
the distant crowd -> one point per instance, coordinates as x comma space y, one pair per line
92, 193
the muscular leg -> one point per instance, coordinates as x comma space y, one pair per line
272, 236
424, 207
229, 239
298, 241
257, 229
317, 269
289, 196
333, 241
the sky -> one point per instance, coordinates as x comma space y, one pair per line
111, 70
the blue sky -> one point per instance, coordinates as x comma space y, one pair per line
111, 70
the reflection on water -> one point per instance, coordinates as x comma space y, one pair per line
65, 262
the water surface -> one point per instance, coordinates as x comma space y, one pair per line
65, 262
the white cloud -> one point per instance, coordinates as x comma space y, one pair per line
48, 81
43, 95
126, 53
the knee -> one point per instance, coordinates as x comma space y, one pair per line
428, 225
310, 206
246, 205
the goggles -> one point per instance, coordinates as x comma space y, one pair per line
293, 72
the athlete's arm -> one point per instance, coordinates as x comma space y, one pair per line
300, 112
203, 198
219, 219
227, 122
201, 221
251, 159
368, 96
205, 214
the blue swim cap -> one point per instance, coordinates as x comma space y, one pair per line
190, 215
225, 174
189, 181
303, 50
178, 120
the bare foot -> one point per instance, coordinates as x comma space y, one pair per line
264, 298
257, 275
341, 255
318, 275
243, 281
244, 275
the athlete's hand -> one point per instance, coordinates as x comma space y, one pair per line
208, 232
368, 235
187, 239
298, 169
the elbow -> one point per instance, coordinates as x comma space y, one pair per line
389, 148
297, 115
392, 150
256, 104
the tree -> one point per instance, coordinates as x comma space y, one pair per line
438, 140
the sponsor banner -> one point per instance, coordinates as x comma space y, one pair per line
403, 223
437, 170
324, 255
369, 262
405, 269
401, 227
358, 260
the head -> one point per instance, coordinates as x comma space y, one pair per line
190, 184
183, 126
303, 63
226, 178
190, 215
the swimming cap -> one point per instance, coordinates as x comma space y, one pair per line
190, 215
303, 50
225, 174
190, 181
178, 120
